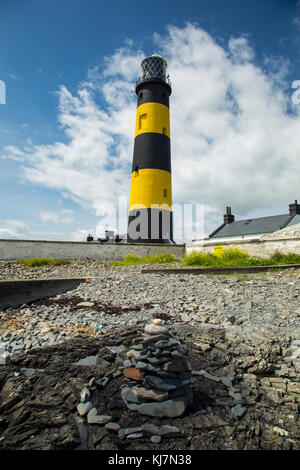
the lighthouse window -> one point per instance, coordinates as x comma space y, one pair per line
165, 193
136, 171
142, 121
141, 94
164, 131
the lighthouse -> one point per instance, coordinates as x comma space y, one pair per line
150, 205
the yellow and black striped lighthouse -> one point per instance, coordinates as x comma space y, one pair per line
150, 206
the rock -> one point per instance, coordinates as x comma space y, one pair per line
169, 408
112, 427
84, 408
165, 384
133, 373
238, 410
226, 381
138, 355
155, 439
136, 435
148, 394
100, 383
124, 432
151, 329
98, 419
157, 321
128, 396
85, 304
169, 431
85, 395
155, 338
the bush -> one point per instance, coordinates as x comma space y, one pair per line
151, 259
280, 258
201, 259
233, 257
34, 262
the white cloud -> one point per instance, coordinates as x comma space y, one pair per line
64, 216
234, 141
13, 229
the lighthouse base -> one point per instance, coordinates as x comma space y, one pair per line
150, 226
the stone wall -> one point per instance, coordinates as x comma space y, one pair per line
23, 249
260, 247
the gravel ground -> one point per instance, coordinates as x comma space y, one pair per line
245, 328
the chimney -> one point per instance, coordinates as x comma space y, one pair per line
294, 208
228, 217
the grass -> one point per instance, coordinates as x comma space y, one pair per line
233, 257
34, 262
163, 258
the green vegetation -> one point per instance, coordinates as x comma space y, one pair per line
151, 259
233, 257
33, 262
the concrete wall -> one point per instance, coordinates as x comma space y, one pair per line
262, 248
23, 249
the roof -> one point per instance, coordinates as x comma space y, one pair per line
251, 226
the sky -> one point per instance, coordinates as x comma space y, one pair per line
68, 69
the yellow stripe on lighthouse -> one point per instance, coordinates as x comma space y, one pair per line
150, 186
152, 117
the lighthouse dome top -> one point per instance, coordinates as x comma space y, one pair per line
154, 66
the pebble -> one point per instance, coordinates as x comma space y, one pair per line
84, 408
238, 410
113, 427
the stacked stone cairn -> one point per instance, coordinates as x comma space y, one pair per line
161, 375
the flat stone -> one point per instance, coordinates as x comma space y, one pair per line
167, 430
155, 338
155, 439
141, 365
150, 429
84, 408
112, 427
124, 432
134, 373
148, 394
98, 419
137, 355
135, 435
166, 343
169, 408
85, 304
155, 329
165, 384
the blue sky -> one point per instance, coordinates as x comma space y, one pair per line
66, 130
